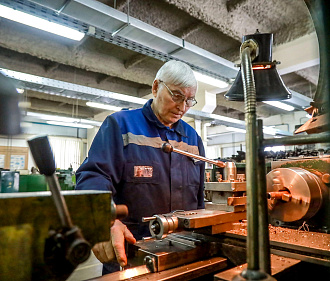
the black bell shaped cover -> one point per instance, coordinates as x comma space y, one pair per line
269, 85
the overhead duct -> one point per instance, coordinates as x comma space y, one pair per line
108, 24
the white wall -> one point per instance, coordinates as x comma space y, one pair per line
18, 143
286, 122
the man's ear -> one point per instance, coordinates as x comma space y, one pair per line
155, 86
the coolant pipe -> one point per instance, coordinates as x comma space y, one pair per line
251, 157
249, 49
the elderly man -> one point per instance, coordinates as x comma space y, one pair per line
126, 158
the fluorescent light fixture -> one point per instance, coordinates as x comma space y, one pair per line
19, 90
210, 80
226, 119
238, 130
52, 117
266, 130
66, 124
280, 105
91, 122
275, 148
103, 106
64, 119
269, 131
70, 86
40, 23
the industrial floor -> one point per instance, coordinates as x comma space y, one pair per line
89, 269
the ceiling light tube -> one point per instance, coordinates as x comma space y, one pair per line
52, 117
40, 23
75, 125
280, 105
210, 80
266, 130
103, 106
269, 131
238, 130
63, 119
226, 119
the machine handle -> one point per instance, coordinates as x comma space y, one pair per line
77, 249
121, 212
43, 155
44, 159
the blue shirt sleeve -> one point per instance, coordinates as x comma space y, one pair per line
103, 168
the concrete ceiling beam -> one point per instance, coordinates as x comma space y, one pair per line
134, 60
311, 74
189, 30
52, 66
236, 18
47, 106
59, 99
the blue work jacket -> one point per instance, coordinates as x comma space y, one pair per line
126, 158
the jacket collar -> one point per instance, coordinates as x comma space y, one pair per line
150, 115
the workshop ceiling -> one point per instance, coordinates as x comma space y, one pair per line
104, 63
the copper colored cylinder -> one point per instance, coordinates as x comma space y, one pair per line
230, 171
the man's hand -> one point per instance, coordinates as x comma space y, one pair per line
115, 248
120, 233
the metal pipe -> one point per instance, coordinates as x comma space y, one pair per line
299, 139
168, 148
264, 248
251, 159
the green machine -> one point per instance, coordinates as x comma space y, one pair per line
33, 182
66, 178
9, 181
12, 181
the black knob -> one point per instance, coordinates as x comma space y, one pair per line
166, 147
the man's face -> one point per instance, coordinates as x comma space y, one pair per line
167, 111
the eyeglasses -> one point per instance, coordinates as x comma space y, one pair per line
179, 98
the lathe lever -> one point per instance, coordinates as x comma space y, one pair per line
64, 248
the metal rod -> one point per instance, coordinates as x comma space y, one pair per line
167, 147
299, 139
214, 162
264, 248
59, 201
145, 219
251, 159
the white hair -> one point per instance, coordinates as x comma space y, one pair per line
177, 73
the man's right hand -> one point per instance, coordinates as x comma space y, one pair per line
115, 248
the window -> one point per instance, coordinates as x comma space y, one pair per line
67, 152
